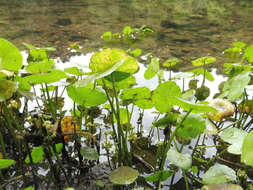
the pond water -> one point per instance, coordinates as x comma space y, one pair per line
186, 29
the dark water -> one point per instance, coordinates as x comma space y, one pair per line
185, 29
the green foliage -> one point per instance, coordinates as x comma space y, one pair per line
135, 93
29, 188
219, 174
170, 62
87, 95
73, 71
203, 61
89, 153
164, 94
247, 150
43, 66
10, 57
248, 53
7, 89
153, 69
183, 161
203, 72
192, 126
160, 175
5, 163
123, 175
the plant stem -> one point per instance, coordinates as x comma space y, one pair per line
186, 181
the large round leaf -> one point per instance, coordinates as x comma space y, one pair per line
86, 96
123, 175
10, 57
192, 126
183, 161
247, 150
105, 59
164, 94
219, 174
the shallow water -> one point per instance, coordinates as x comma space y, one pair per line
186, 29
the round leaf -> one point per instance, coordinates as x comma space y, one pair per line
222, 187
5, 163
219, 174
89, 153
123, 175
135, 93
183, 161
10, 57
152, 69
247, 150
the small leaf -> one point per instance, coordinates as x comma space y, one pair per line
7, 89
203, 61
136, 52
37, 155
152, 69
29, 188
123, 175
127, 31
89, 153
107, 36
183, 161
248, 53
170, 62
219, 174
160, 175
239, 44
247, 150
203, 72
5, 163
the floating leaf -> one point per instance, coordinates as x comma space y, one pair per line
219, 174
222, 187
183, 161
234, 88
135, 93
247, 150
86, 96
105, 59
89, 153
159, 176
192, 126
5, 163
10, 57
235, 137
152, 69
123, 175
163, 95
50, 77
7, 89
203, 61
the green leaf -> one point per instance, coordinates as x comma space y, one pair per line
164, 94
10, 57
117, 76
144, 103
195, 107
99, 75
168, 120
152, 69
170, 62
203, 61
50, 77
29, 188
219, 174
192, 126
73, 71
222, 187
86, 96
248, 53
123, 175
100, 183
5, 163
135, 93
126, 83
127, 31
234, 88
7, 89
136, 52
235, 137
40, 67
203, 72
239, 44
183, 161
58, 148
89, 153
247, 150
107, 36
160, 175
123, 116
105, 59
37, 155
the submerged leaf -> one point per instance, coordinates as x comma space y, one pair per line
123, 175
